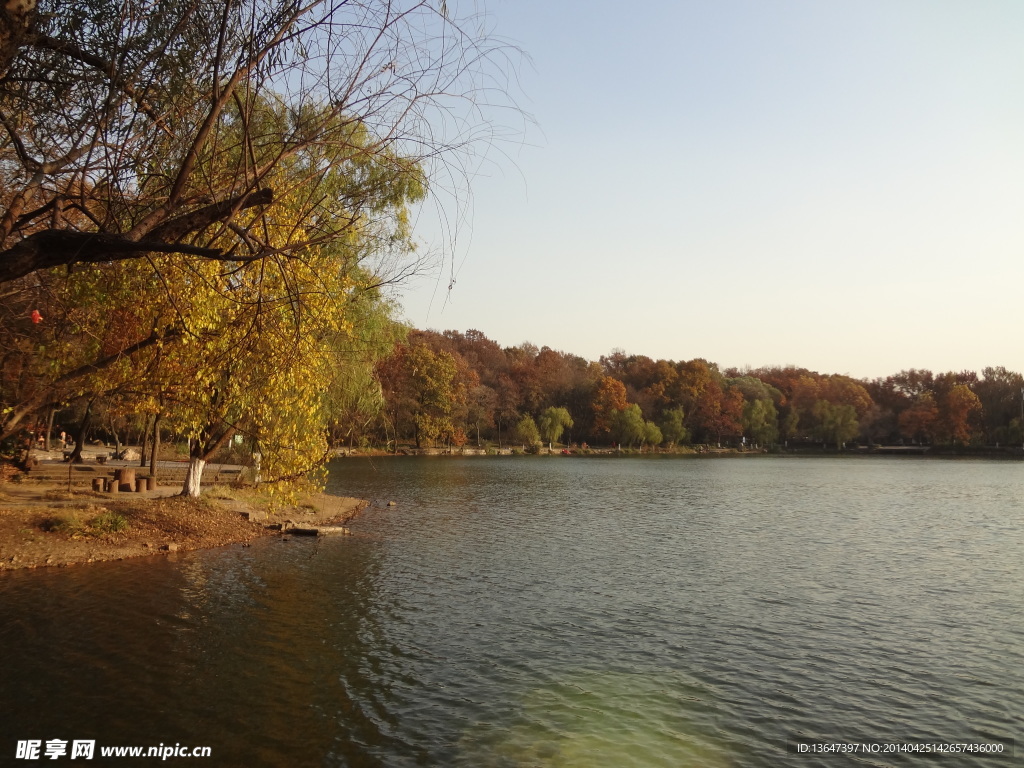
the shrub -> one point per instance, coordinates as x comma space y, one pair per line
68, 523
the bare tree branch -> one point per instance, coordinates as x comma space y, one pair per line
175, 229
54, 248
107, 68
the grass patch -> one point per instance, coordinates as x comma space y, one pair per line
109, 522
93, 521
71, 524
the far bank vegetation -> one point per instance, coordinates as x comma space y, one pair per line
456, 389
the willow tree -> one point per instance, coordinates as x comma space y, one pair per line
355, 398
836, 422
266, 347
552, 422
255, 362
191, 139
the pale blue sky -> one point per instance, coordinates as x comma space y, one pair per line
837, 185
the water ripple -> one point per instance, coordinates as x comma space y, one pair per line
558, 612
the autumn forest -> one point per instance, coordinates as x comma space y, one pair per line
455, 388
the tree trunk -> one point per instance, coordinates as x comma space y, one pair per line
156, 447
199, 453
194, 477
15, 29
49, 428
145, 440
83, 433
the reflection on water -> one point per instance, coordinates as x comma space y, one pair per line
592, 718
555, 612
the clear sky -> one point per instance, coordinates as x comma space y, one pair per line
836, 185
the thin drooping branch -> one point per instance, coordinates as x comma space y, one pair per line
203, 134
107, 68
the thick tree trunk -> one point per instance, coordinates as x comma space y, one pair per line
55, 247
194, 477
199, 453
15, 29
83, 434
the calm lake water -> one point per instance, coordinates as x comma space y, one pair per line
556, 612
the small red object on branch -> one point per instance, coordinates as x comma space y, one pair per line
36, 317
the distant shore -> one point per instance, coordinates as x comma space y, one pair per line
1004, 452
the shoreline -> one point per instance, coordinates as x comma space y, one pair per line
42, 524
933, 452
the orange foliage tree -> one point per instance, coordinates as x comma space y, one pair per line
609, 398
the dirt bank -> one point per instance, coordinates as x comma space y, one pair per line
42, 524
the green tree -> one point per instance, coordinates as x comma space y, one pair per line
672, 426
652, 434
526, 432
836, 423
552, 422
790, 423
355, 398
628, 426
760, 421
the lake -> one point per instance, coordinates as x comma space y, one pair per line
557, 611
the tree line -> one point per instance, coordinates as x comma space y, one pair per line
455, 388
